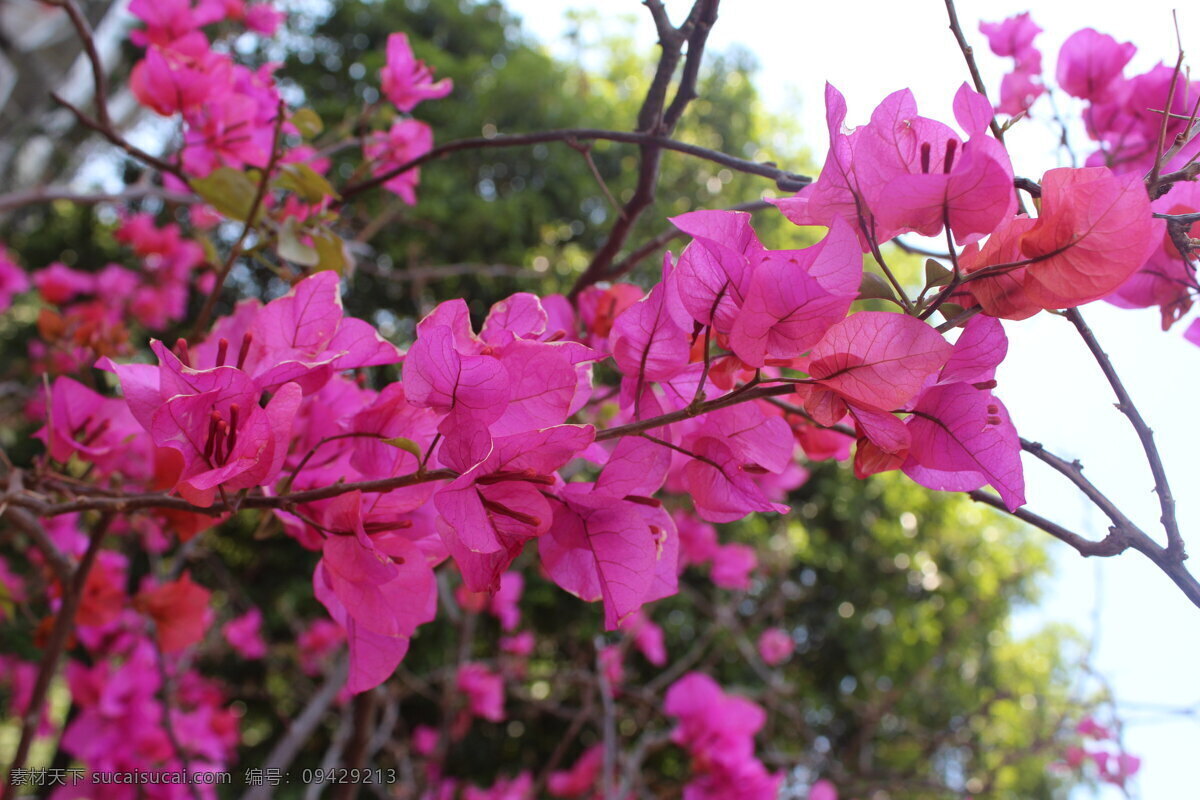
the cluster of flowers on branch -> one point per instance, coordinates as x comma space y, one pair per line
608, 433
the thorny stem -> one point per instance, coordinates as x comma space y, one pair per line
1175, 548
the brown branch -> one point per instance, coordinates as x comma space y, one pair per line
789, 180
88, 39
657, 119
116, 139
167, 689
260, 194
608, 723
1160, 146
969, 55
51, 194
60, 634
1073, 471
31, 526
301, 729
131, 503
1110, 545
355, 754
1175, 547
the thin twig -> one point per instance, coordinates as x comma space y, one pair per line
765, 170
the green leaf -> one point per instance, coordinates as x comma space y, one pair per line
290, 248
331, 251
936, 274
874, 287
950, 310
229, 191
308, 122
307, 183
406, 444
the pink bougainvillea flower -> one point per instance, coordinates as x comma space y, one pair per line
181, 77
618, 551
1090, 728
13, 280
500, 501
406, 140
449, 370
98, 429
378, 588
304, 337
425, 740
484, 690
237, 132
647, 637
794, 296
1089, 61
1018, 91
180, 612
873, 360
771, 304
1011, 37
961, 436
317, 643
1166, 280
498, 497
722, 482
775, 646
837, 191
405, 81
60, 284
714, 270
718, 732
518, 644
503, 605
1192, 334
581, 780
732, 565
1001, 294
244, 634
823, 790
213, 419
968, 185
168, 20
1095, 230
599, 307
905, 172
648, 342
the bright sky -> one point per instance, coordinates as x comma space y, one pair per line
1148, 645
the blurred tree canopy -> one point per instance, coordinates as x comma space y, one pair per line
907, 678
